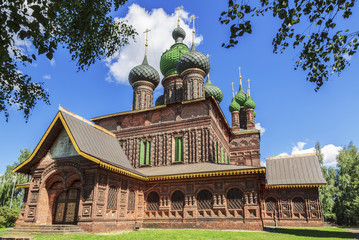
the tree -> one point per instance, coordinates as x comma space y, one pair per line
85, 28
347, 183
307, 25
7, 182
326, 193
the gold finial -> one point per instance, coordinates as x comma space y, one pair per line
146, 44
193, 28
178, 10
249, 87
233, 89
59, 106
208, 55
240, 76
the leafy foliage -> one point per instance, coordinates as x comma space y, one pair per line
347, 183
85, 28
8, 217
7, 183
308, 25
327, 193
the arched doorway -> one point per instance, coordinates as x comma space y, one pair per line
67, 206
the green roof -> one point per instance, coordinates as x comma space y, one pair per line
144, 72
234, 106
212, 90
170, 58
249, 104
241, 96
193, 59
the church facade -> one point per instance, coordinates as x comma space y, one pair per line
178, 164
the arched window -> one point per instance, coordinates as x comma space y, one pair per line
298, 205
153, 201
205, 200
271, 204
234, 199
177, 200
131, 200
112, 198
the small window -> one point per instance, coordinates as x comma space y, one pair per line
225, 158
298, 205
145, 153
178, 149
131, 200
204, 200
271, 204
222, 159
234, 199
177, 200
216, 152
112, 198
153, 201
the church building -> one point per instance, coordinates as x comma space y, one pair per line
178, 164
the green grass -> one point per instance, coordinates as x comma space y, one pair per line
3, 229
281, 233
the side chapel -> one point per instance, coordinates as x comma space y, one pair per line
178, 164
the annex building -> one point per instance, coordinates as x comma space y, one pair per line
178, 164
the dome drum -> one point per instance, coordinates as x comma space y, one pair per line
143, 84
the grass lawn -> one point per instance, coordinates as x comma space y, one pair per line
281, 233
3, 229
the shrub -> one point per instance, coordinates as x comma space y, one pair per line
8, 217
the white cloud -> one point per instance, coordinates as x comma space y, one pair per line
52, 62
330, 152
161, 25
47, 77
347, 57
259, 127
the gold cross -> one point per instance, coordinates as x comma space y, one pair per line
146, 44
178, 10
193, 18
240, 76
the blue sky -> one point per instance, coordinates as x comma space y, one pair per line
293, 115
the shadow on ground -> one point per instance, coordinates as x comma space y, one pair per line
313, 233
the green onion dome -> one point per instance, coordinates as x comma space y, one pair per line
144, 72
254, 113
212, 90
249, 104
234, 106
170, 57
193, 59
160, 100
241, 96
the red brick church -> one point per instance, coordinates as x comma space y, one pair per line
178, 164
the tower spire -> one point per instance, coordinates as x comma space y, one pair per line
249, 87
193, 29
178, 10
240, 77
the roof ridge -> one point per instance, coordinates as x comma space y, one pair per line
61, 109
291, 156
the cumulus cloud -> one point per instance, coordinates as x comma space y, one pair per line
260, 128
330, 152
161, 25
47, 77
52, 62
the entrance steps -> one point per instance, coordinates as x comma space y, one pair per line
26, 231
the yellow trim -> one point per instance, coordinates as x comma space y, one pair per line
246, 132
207, 174
294, 155
170, 76
39, 144
149, 83
295, 185
26, 185
86, 121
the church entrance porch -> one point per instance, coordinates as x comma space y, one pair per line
66, 207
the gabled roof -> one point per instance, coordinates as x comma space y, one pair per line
90, 141
297, 170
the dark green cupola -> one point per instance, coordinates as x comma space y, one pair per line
212, 90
